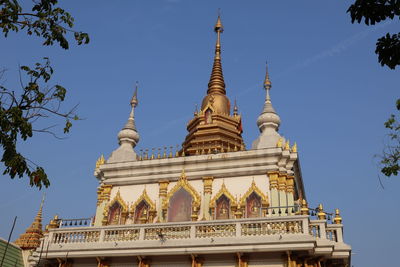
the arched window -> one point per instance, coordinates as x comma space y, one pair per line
253, 206
222, 209
180, 206
142, 212
114, 214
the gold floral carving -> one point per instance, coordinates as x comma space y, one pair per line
207, 181
100, 161
255, 189
163, 188
282, 181
183, 183
144, 197
223, 191
290, 184
103, 193
273, 179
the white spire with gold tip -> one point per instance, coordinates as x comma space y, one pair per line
128, 137
268, 122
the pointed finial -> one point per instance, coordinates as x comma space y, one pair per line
129, 133
100, 161
196, 110
321, 214
267, 82
183, 174
337, 219
287, 145
294, 148
268, 122
134, 100
41, 206
218, 26
304, 207
235, 109
279, 143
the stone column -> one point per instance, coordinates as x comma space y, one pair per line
273, 187
282, 193
290, 192
162, 200
103, 196
207, 183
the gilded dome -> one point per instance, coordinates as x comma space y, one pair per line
220, 103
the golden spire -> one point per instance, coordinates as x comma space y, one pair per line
31, 238
216, 83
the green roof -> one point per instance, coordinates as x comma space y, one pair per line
13, 256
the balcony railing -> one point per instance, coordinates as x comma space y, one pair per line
289, 225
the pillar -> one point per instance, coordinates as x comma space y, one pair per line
207, 183
282, 193
273, 187
162, 199
290, 192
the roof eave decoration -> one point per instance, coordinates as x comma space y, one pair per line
144, 197
221, 192
255, 189
183, 183
118, 199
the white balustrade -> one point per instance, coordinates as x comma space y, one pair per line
298, 224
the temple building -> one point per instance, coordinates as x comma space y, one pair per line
212, 202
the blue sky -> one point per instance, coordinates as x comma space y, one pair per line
328, 88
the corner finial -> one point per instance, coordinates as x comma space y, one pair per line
337, 219
128, 137
235, 109
268, 122
321, 214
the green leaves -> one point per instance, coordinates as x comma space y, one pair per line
45, 20
37, 100
391, 154
17, 113
375, 11
388, 50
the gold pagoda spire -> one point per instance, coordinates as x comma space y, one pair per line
216, 85
213, 128
31, 238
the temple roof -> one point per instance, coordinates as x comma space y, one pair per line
31, 238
